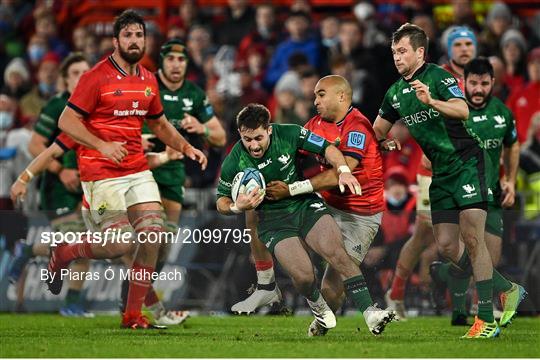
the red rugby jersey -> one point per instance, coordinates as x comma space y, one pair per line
114, 105
354, 137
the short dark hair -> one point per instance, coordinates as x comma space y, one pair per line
416, 35
253, 116
71, 59
479, 66
126, 18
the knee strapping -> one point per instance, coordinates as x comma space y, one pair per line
151, 222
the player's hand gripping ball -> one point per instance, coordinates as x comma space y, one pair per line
245, 181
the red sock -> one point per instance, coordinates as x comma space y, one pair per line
70, 252
398, 284
151, 297
138, 287
263, 265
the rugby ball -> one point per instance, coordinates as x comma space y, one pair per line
245, 181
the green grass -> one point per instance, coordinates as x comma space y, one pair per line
37, 335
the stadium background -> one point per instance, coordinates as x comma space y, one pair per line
233, 58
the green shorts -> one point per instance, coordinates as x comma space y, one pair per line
172, 192
276, 227
494, 221
56, 201
464, 189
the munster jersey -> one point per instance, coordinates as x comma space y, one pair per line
277, 163
446, 142
114, 105
354, 137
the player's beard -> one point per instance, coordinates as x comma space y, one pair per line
131, 58
484, 101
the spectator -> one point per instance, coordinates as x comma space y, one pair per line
91, 49
36, 49
189, 15
410, 155
78, 38
499, 19
514, 51
106, 47
426, 23
199, 41
45, 24
239, 21
500, 88
530, 164
47, 75
525, 101
350, 39
16, 79
264, 36
329, 32
151, 50
256, 63
464, 14
290, 80
8, 108
299, 40
365, 15
305, 106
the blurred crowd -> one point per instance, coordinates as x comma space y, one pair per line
274, 55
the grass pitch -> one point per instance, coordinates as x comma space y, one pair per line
39, 335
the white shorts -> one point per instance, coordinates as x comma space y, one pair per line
423, 208
108, 197
358, 231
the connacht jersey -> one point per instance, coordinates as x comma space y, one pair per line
446, 142
277, 163
494, 125
189, 99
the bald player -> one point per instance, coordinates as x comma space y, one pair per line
358, 216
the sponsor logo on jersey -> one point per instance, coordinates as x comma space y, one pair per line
168, 97
117, 92
148, 91
395, 102
264, 164
303, 133
407, 90
492, 143
132, 112
356, 140
479, 118
470, 191
500, 121
135, 104
188, 104
456, 91
448, 81
315, 139
318, 206
284, 158
102, 208
225, 183
420, 117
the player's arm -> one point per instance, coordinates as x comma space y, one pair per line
511, 164
157, 159
37, 145
382, 127
452, 108
36, 167
328, 179
226, 206
212, 130
171, 137
71, 122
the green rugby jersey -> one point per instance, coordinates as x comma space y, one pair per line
277, 163
494, 126
446, 142
47, 126
189, 99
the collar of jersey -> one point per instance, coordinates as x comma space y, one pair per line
347, 114
120, 70
417, 72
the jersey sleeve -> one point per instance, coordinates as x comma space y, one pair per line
86, 95
447, 86
155, 109
65, 142
387, 111
356, 140
47, 122
305, 139
203, 110
510, 137
229, 169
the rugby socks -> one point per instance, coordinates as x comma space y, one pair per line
485, 304
265, 275
73, 297
356, 289
399, 283
458, 283
443, 271
315, 295
139, 284
500, 283
151, 301
70, 252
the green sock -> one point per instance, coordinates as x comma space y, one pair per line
458, 291
500, 283
73, 296
485, 295
443, 271
356, 289
314, 295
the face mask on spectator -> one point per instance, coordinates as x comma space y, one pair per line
45, 88
395, 202
35, 53
6, 120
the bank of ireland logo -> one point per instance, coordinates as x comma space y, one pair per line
470, 191
135, 104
